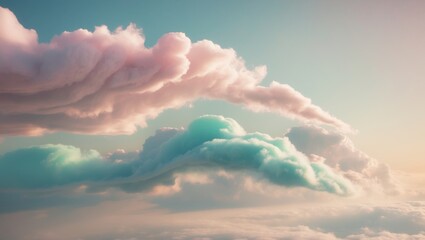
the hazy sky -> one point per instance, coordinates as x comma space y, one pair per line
70, 100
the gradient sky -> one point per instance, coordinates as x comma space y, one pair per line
361, 61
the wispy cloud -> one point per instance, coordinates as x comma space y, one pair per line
109, 82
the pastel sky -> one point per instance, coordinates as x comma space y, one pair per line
209, 119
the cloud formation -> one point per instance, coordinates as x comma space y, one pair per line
210, 142
221, 142
338, 152
110, 83
135, 219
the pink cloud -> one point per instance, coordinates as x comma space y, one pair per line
110, 82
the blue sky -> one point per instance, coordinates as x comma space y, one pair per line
360, 63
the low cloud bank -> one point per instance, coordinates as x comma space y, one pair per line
131, 218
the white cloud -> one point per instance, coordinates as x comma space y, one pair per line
338, 151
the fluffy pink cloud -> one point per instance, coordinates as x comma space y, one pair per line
110, 82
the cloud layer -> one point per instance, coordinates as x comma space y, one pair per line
210, 142
135, 219
110, 83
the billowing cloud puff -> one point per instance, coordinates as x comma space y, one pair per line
110, 83
221, 142
210, 142
338, 152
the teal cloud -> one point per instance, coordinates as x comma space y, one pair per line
209, 143
219, 142
55, 165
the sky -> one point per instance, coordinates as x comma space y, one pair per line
131, 119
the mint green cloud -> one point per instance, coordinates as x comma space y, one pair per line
55, 165
218, 142
209, 143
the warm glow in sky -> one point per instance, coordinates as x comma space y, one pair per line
212, 120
